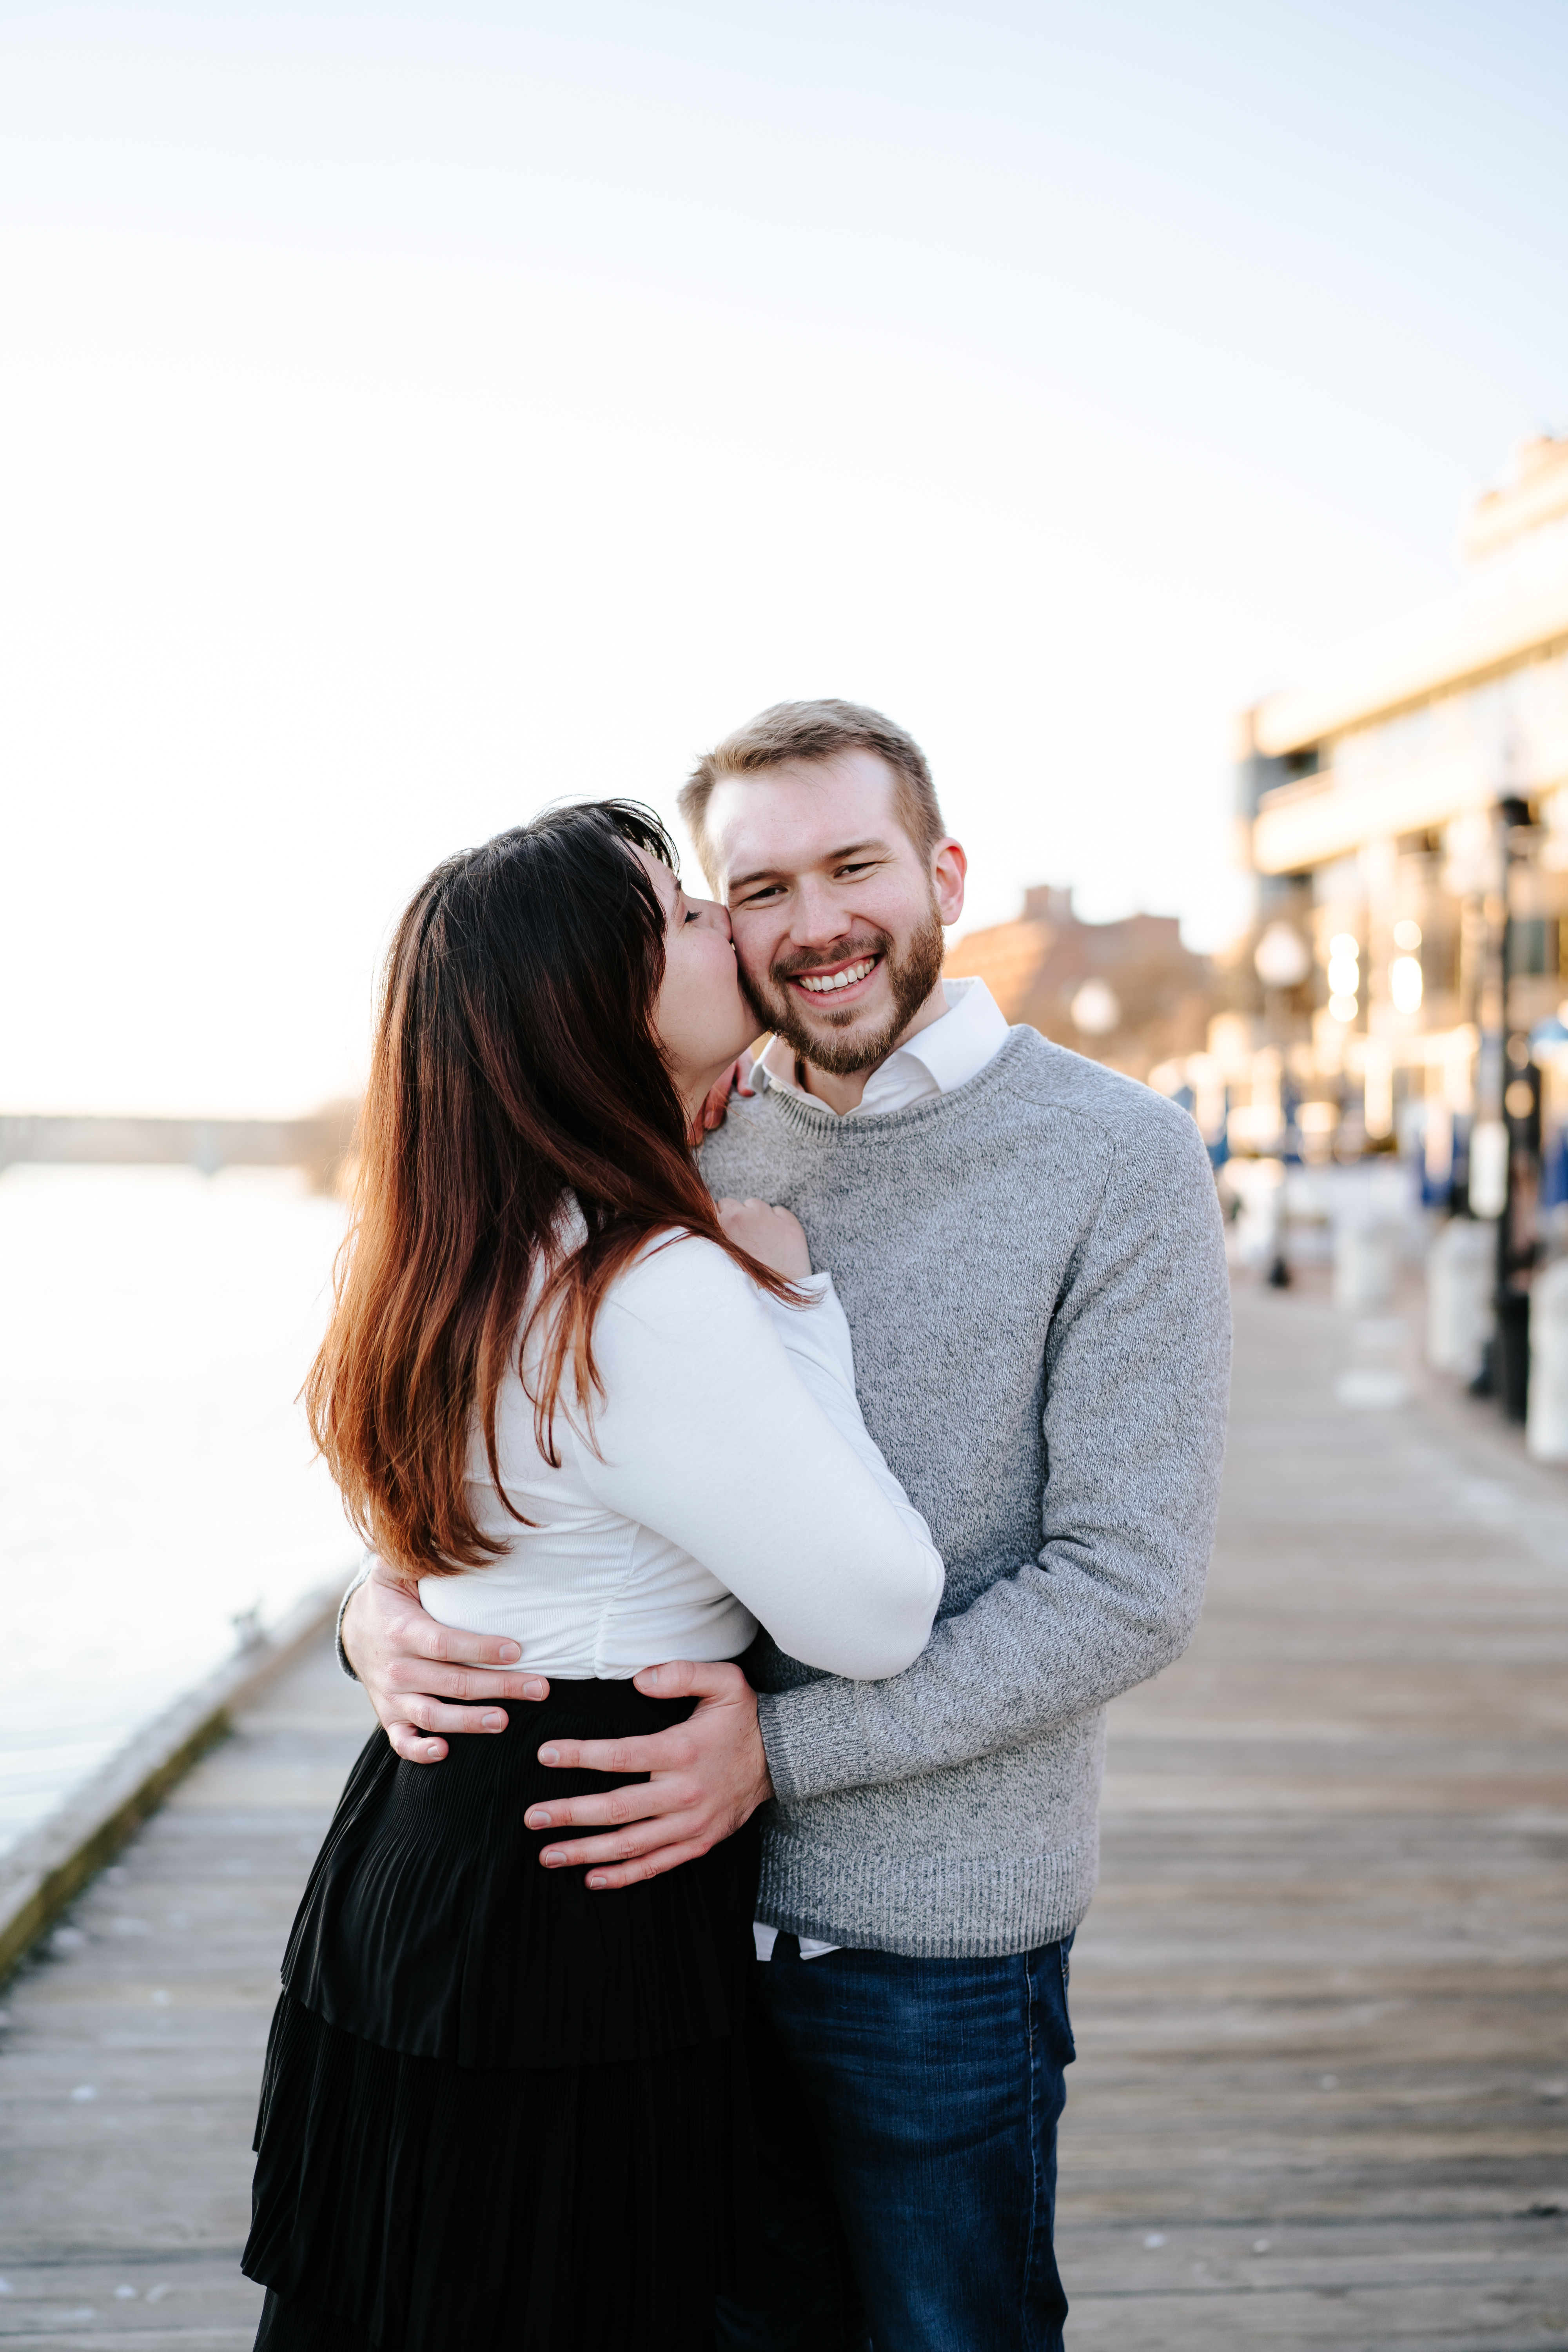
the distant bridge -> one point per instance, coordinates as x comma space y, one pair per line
320, 1144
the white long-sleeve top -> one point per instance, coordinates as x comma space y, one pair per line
657, 1540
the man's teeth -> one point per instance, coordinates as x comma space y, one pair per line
820, 985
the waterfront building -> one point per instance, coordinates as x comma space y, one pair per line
1406, 819
1405, 813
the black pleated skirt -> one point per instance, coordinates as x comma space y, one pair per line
500, 2111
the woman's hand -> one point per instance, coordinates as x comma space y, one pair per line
736, 1080
771, 1235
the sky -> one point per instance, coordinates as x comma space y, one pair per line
412, 414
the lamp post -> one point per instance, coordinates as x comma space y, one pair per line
1281, 959
1517, 1097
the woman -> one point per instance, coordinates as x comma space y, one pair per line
502, 2109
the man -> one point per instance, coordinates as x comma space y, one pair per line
1028, 1251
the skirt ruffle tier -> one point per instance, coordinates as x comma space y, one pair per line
499, 2111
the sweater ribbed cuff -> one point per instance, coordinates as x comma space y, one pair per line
781, 1731
342, 1606
815, 1746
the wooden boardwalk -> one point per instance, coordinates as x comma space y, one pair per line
130, 2061
1323, 2090
1321, 1999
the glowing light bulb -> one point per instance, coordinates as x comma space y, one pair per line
1404, 983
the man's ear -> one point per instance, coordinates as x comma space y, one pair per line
948, 872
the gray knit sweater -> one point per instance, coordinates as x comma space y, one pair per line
1034, 1274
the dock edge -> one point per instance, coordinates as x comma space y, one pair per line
46, 1870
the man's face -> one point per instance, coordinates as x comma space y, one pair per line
837, 920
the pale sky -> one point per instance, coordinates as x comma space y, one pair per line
410, 413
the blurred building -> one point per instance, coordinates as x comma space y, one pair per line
1407, 823
1127, 993
1405, 816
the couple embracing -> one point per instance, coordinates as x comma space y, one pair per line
760, 1530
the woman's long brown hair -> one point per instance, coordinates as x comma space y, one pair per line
516, 1062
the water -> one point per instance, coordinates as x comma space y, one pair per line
155, 1472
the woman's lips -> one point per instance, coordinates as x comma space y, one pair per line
837, 983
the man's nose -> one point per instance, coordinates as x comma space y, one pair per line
816, 918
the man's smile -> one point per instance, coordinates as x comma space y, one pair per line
838, 981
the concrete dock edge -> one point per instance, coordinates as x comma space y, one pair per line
47, 1868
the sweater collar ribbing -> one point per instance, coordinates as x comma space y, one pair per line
806, 1116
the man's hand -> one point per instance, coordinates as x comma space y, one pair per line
709, 1775
409, 1663
736, 1080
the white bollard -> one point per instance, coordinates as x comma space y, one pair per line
1461, 1275
1258, 1186
1546, 1427
1489, 1168
1363, 1266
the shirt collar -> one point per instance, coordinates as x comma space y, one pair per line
957, 1047
951, 1050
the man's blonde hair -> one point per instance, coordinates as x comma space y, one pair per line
815, 730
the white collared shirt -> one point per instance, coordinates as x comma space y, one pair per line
948, 1054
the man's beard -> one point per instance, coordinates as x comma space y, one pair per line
911, 976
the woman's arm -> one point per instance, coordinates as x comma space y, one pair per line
822, 1355
753, 1458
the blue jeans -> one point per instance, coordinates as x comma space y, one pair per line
907, 2118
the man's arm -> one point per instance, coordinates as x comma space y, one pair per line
345, 1663
1137, 1387
414, 1668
